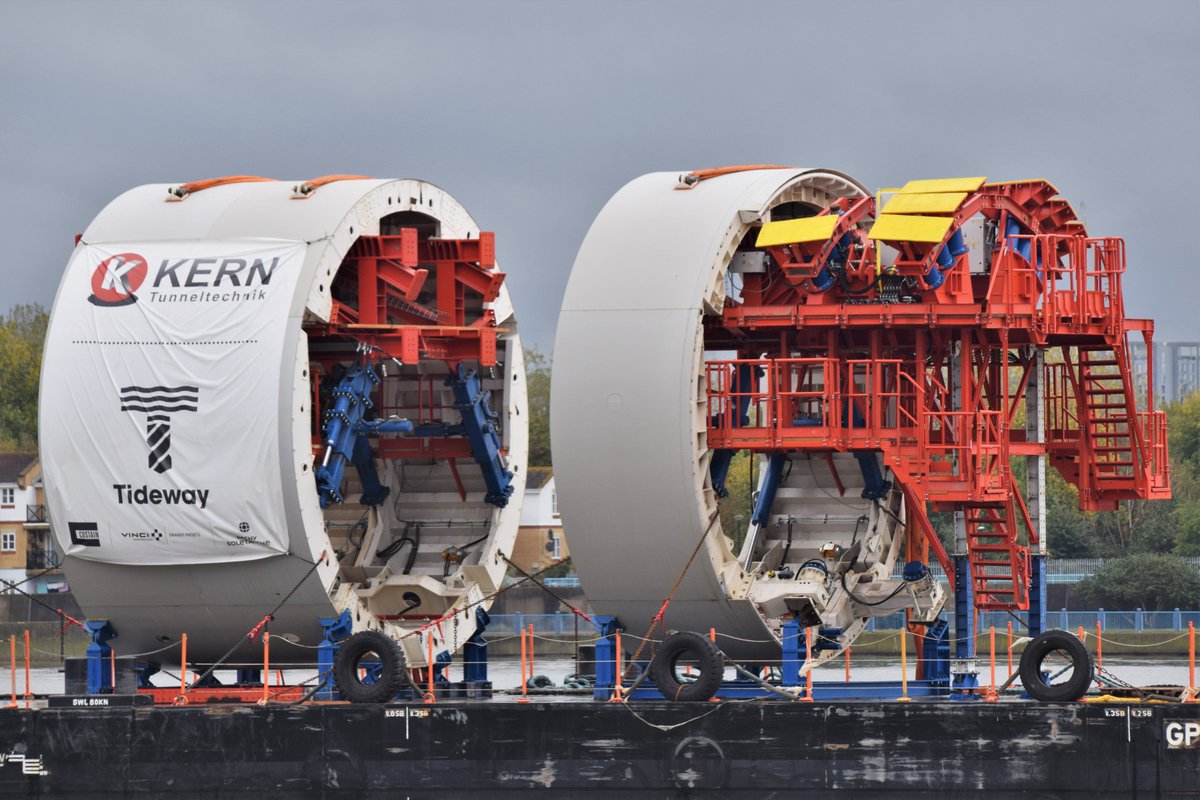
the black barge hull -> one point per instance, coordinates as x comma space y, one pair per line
500, 749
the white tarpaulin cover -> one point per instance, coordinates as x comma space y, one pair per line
161, 397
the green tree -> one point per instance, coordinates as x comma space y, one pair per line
537, 381
22, 334
1150, 581
739, 503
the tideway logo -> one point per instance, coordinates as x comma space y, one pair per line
145, 496
159, 402
116, 279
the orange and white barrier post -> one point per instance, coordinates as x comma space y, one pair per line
112, 670
808, 678
1192, 659
183, 666
28, 694
618, 687
266, 673
531, 650
992, 653
847, 665
524, 698
12, 652
1010, 647
904, 698
1099, 645
430, 695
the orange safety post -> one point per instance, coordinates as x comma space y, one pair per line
992, 653
112, 669
524, 698
1192, 659
266, 673
430, 696
531, 651
12, 651
904, 698
1010, 647
1099, 645
712, 634
808, 692
847, 665
27, 694
617, 684
1081, 634
183, 667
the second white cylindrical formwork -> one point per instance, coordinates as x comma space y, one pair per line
629, 417
177, 426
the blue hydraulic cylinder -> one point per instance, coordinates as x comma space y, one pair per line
955, 246
478, 421
874, 486
336, 629
351, 401
766, 497
964, 621
1036, 618
99, 670
718, 470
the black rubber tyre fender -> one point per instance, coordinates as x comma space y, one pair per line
392, 669
1031, 667
699, 649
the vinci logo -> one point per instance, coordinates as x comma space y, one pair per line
159, 402
116, 279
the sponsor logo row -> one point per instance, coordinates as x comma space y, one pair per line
93, 534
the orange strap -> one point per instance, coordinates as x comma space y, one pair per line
303, 190
691, 179
177, 193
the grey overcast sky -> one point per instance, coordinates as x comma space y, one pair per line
534, 113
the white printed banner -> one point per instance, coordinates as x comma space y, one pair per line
160, 400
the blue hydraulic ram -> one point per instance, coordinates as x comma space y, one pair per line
347, 432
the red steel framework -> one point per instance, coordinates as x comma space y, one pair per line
413, 299
909, 351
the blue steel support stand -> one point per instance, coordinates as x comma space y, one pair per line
964, 632
606, 656
336, 629
935, 652
1037, 594
475, 658
99, 671
795, 653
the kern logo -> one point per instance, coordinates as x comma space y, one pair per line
85, 533
159, 402
116, 279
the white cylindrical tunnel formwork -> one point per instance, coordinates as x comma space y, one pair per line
629, 416
177, 429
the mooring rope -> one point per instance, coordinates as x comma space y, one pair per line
663, 609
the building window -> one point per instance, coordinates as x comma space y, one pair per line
8, 542
8, 496
554, 503
554, 545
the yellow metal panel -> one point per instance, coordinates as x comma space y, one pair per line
943, 185
789, 231
926, 203
910, 228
